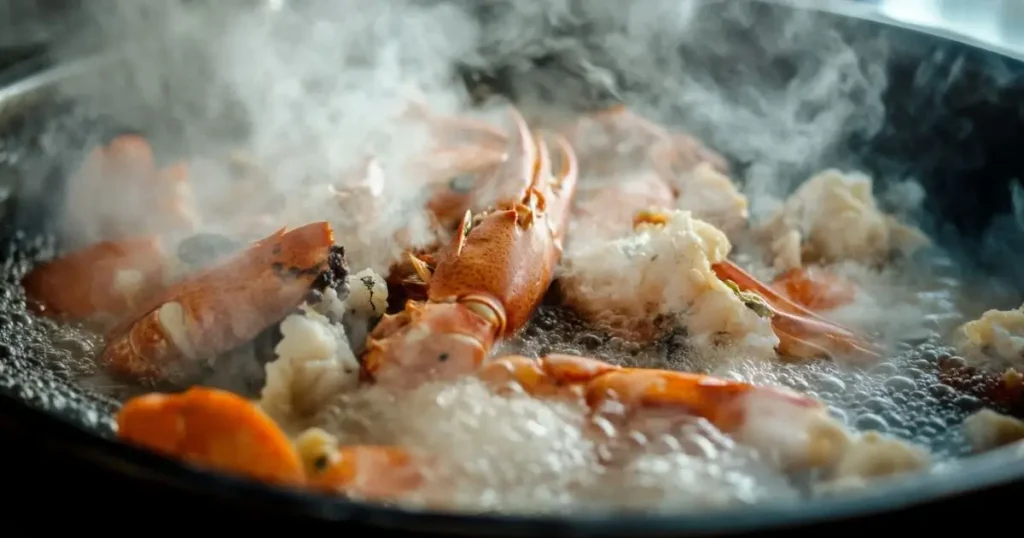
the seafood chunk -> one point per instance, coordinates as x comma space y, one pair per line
988, 429
815, 288
870, 457
619, 144
996, 338
368, 472
487, 282
119, 192
664, 272
224, 432
712, 197
833, 217
107, 279
314, 363
366, 304
224, 306
316, 357
873, 455
801, 332
214, 429
794, 427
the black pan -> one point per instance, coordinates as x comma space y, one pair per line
953, 120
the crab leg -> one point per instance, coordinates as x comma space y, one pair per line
734, 407
486, 283
801, 332
226, 305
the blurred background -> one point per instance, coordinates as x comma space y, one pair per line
997, 24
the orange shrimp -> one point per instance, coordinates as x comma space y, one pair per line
107, 278
120, 189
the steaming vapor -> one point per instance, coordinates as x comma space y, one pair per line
311, 89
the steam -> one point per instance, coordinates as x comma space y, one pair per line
316, 93
312, 89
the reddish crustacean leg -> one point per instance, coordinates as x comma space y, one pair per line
225, 305
815, 288
700, 395
107, 278
222, 431
629, 396
120, 189
486, 283
801, 332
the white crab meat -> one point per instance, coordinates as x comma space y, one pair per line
833, 217
712, 197
314, 364
367, 301
872, 455
664, 272
996, 338
316, 357
986, 430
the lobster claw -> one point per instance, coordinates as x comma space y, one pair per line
489, 279
226, 305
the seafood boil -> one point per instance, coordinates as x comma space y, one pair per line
609, 223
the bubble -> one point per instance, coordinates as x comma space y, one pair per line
900, 383
871, 422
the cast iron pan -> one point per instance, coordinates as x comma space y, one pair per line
954, 114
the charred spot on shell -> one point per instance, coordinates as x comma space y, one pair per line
204, 249
334, 276
314, 296
265, 342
